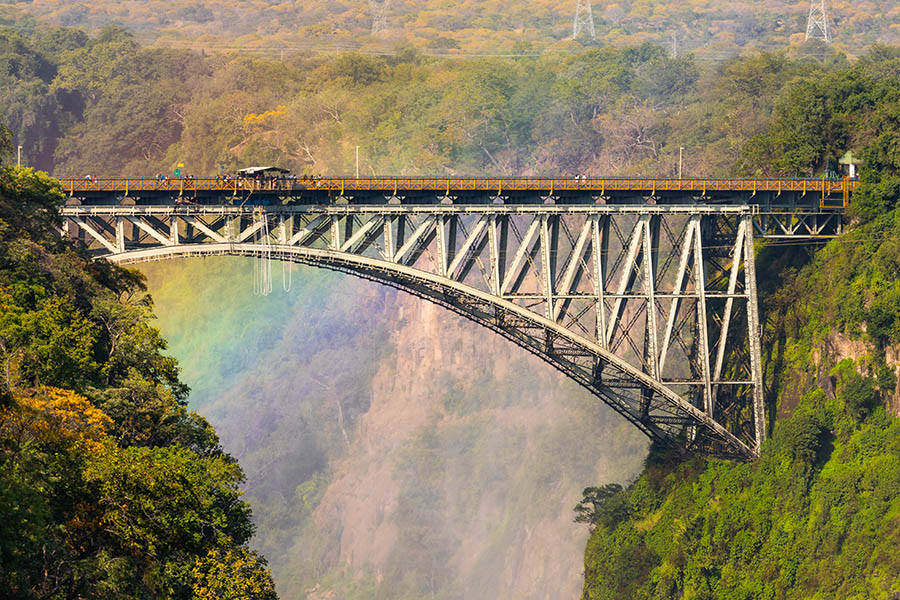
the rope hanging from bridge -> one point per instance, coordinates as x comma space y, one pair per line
262, 266
287, 275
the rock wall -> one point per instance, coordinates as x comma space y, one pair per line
834, 348
393, 449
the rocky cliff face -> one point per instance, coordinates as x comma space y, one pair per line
831, 350
393, 449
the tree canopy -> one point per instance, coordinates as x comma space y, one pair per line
109, 486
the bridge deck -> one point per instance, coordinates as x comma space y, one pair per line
782, 208
826, 193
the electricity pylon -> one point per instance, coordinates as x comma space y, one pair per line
817, 25
584, 19
379, 15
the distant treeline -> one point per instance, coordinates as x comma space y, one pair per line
711, 27
105, 105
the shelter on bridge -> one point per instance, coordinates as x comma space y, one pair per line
849, 165
262, 171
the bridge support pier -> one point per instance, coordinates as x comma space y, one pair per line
755, 334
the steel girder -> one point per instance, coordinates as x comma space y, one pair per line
651, 308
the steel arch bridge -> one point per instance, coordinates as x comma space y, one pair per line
651, 307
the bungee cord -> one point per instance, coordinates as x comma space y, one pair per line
262, 266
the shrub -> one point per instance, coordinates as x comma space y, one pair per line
859, 395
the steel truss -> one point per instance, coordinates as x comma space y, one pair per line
651, 308
798, 224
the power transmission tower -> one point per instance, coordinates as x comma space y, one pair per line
379, 15
584, 19
817, 25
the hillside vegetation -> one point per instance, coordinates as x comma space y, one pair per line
107, 106
109, 486
712, 28
818, 515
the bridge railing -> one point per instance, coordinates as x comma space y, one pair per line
827, 188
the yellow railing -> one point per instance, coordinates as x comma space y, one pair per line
827, 188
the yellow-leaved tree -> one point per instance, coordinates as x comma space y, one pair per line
232, 574
51, 417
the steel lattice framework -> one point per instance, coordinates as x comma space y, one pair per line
379, 15
584, 20
817, 22
651, 308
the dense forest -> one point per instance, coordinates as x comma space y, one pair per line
711, 28
818, 514
109, 486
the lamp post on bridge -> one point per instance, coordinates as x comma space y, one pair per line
680, 161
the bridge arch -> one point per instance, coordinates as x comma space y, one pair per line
646, 266
577, 357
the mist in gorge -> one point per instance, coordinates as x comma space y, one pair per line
392, 448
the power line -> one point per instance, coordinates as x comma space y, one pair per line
698, 52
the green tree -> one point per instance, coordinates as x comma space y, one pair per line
232, 574
111, 487
604, 506
859, 395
